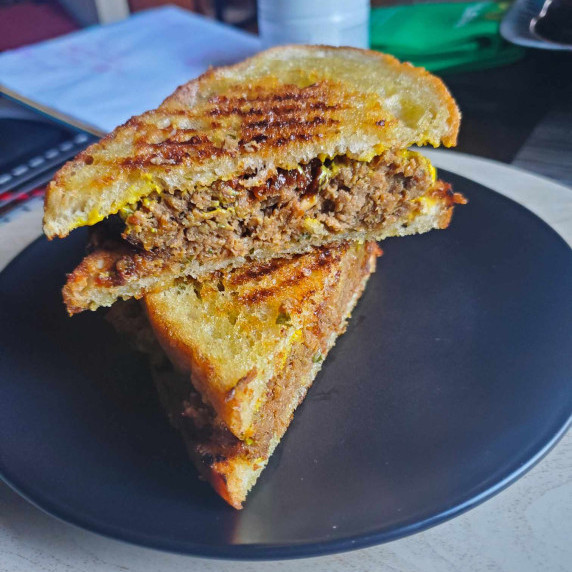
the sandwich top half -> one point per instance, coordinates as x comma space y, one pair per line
294, 148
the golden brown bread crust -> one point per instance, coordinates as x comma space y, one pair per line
280, 108
233, 475
230, 465
109, 270
449, 138
272, 306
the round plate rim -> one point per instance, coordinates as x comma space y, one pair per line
257, 552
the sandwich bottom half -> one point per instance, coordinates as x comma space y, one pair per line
231, 465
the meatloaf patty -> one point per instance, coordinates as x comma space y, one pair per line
235, 218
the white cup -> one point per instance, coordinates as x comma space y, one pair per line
331, 22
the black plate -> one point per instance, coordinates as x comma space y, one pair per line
452, 380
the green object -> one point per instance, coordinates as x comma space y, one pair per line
448, 36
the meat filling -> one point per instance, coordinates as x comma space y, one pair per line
318, 198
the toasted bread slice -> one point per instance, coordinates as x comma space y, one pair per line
235, 332
278, 110
230, 464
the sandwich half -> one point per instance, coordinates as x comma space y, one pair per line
242, 356
295, 148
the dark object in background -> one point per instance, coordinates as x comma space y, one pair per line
25, 23
502, 106
554, 23
240, 13
519, 26
32, 147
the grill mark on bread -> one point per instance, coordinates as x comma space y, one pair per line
279, 110
293, 114
243, 275
280, 123
327, 258
258, 271
199, 146
262, 95
269, 130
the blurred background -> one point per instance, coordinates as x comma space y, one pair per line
70, 70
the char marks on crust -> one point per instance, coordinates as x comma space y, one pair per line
254, 272
278, 115
291, 275
280, 100
269, 116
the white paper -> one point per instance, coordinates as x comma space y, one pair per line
105, 74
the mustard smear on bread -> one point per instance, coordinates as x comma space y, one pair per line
143, 187
329, 169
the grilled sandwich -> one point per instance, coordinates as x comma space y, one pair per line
293, 149
244, 347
